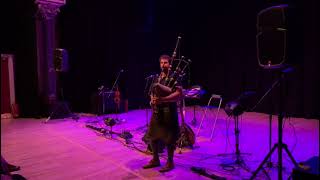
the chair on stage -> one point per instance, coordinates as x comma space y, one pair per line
209, 107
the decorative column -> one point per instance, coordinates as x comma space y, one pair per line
46, 43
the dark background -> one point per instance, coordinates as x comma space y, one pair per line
103, 37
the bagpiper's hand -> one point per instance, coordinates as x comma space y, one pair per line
156, 85
155, 100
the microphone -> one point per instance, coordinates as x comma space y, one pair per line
174, 54
175, 49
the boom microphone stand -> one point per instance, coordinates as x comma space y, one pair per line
112, 89
147, 89
146, 93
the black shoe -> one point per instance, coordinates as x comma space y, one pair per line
153, 163
168, 167
12, 168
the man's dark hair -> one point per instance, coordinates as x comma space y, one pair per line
164, 56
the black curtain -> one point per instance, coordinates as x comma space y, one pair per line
103, 37
18, 38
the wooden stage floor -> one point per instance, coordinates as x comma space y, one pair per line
66, 149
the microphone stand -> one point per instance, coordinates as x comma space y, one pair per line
113, 86
146, 93
102, 94
175, 49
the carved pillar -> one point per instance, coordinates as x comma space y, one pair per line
45, 29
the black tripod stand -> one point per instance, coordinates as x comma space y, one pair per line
239, 161
194, 121
60, 105
269, 163
280, 145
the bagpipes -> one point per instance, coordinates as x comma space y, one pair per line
175, 75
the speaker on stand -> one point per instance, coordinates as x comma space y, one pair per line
271, 39
61, 108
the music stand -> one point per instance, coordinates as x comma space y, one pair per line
194, 93
235, 109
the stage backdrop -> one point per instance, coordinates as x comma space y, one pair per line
103, 37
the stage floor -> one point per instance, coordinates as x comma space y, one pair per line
66, 149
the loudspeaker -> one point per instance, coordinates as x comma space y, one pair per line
272, 36
60, 60
272, 18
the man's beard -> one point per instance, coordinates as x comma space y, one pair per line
165, 69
